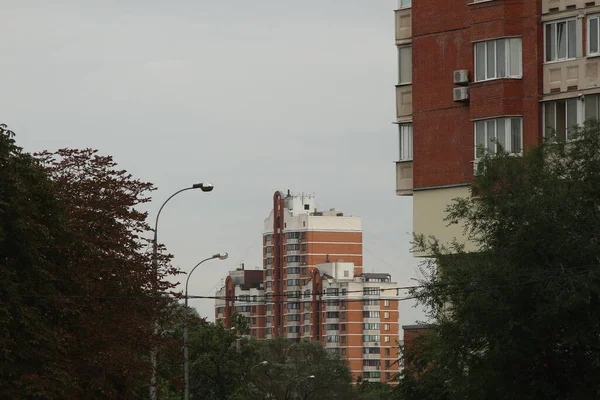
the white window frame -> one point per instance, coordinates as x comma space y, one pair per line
580, 115
589, 36
508, 120
405, 142
509, 73
555, 24
402, 4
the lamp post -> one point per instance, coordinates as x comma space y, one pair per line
186, 366
205, 187
259, 364
302, 380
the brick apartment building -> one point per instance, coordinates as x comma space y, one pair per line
312, 287
475, 72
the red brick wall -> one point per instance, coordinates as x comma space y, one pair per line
443, 36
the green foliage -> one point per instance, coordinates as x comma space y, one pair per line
75, 278
290, 367
520, 318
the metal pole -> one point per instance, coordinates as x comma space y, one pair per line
186, 360
153, 391
186, 366
155, 277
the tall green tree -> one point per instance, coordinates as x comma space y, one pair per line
303, 370
34, 271
520, 317
78, 289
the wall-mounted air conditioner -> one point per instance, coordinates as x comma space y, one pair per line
461, 77
460, 94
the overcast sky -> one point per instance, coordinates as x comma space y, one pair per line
253, 96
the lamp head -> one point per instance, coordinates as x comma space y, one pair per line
205, 187
264, 363
221, 256
311, 377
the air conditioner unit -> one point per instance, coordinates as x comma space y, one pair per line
461, 94
461, 77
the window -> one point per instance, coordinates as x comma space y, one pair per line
405, 135
371, 375
592, 106
371, 350
343, 326
387, 364
371, 291
561, 40
343, 351
386, 303
332, 314
307, 206
404, 3
386, 315
293, 282
370, 314
386, 339
303, 270
332, 338
343, 339
292, 235
333, 291
292, 259
293, 270
370, 363
343, 316
501, 58
387, 376
561, 116
269, 284
293, 306
295, 317
506, 132
371, 302
386, 327
346, 274
387, 351
293, 329
303, 247
370, 338
404, 65
293, 247
371, 326
332, 327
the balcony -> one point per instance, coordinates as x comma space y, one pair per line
578, 74
403, 25
404, 103
332, 320
561, 5
371, 356
404, 179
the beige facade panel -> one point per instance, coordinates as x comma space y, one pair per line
561, 5
429, 212
404, 178
404, 102
403, 24
579, 74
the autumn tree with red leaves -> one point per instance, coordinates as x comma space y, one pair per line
78, 290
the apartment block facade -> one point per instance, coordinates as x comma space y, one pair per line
473, 74
312, 287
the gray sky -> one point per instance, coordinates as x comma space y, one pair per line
252, 96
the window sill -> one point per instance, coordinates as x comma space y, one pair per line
596, 55
404, 161
479, 2
403, 84
559, 61
512, 78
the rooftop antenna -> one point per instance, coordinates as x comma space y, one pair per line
327, 258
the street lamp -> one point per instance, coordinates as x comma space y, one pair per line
259, 364
205, 187
186, 367
302, 380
